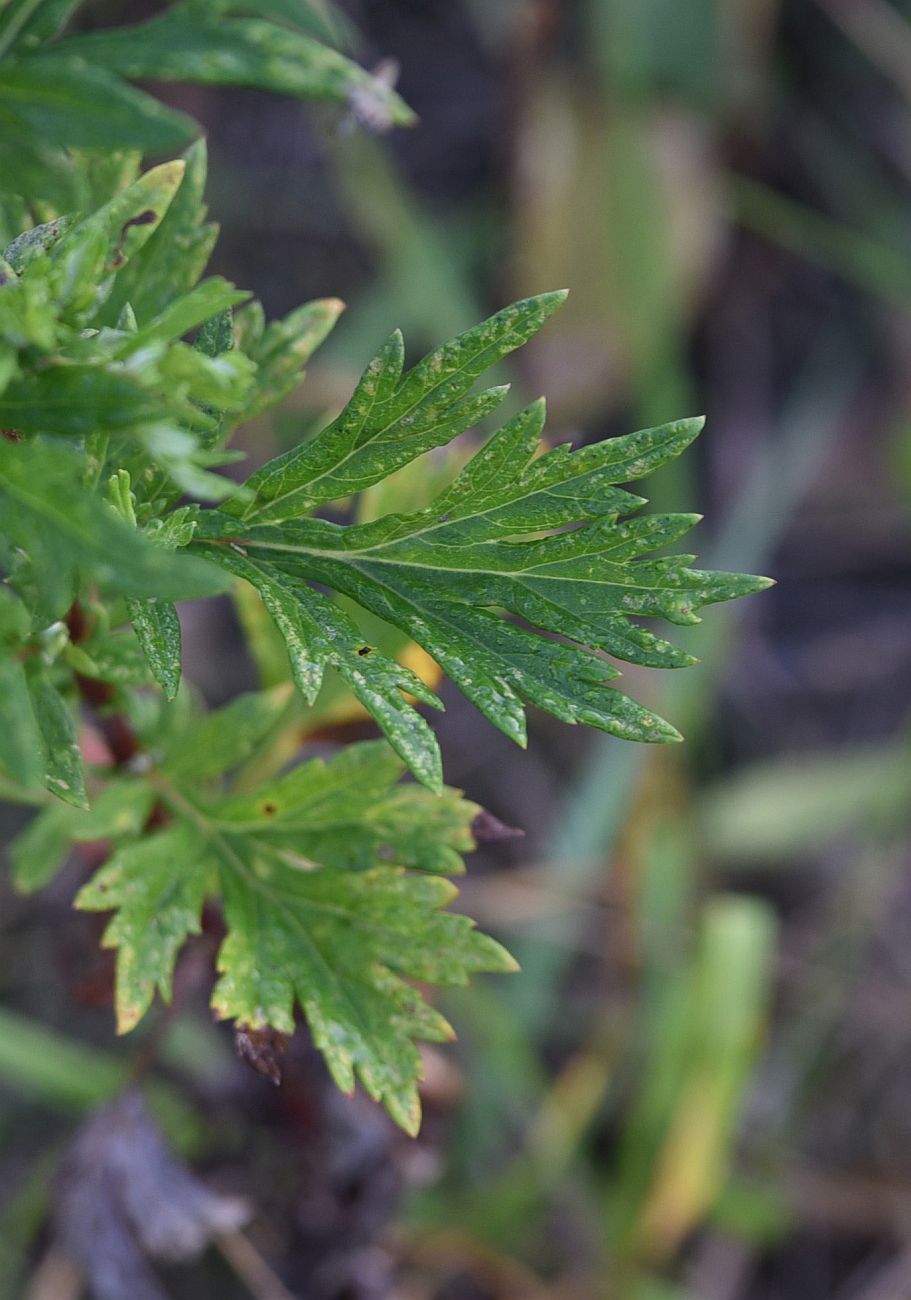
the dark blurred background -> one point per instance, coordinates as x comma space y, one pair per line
699, 1088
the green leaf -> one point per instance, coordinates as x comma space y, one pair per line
191, 43
132, 216
158, 886
64, 775
311, 16
390, 420
76, 104
21, 742
157, 625
155, 622
344, 946
68, 534
443, 575
312, 918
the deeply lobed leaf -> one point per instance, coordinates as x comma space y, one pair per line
445, 574
320, 908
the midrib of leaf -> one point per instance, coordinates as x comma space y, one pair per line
343, 557
207, 828
278, 900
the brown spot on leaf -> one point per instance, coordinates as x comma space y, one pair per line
268, 808
263, 1049
365, 650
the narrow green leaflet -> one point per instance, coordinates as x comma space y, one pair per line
284, 349
129, 219
156, 621
445, 574
184, 313
390, 420
176, 253
157, 626
64, 774
21, 742
191, 43
158, 886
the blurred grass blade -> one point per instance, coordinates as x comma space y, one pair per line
850, 254
773, 812
726, 1005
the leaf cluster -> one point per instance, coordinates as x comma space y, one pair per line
123, 374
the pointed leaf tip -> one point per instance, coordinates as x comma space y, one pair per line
554, 298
